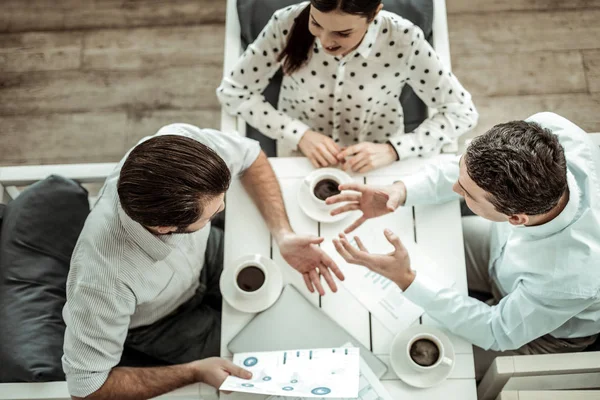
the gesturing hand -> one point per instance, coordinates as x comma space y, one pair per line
305, 256
395, 265
321, 150
373, 201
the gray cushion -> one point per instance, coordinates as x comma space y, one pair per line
254, 15
38, 234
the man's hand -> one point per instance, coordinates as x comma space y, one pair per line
366, 156
373, 201
213, 371
321, 150
306, 257
395, 266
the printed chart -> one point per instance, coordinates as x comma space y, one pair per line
326, 373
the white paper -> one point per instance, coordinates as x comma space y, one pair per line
383, 298
326, 373
370, 388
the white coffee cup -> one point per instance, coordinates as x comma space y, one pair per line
243, 292
442, 359
311, 183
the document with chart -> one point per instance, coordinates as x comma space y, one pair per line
369, 387
321, 373
379, 295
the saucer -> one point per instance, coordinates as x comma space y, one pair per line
307, 205
260, 302
402, 366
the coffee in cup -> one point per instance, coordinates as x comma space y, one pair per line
322, 185
325, 188
250, 278
426, 352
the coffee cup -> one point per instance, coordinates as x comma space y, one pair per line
322, 186
250, 279
426, 352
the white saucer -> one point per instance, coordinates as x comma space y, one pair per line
309, 207
401, 364
273, 288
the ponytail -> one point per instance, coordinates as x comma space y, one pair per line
299, 43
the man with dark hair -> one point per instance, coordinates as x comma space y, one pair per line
533, 251
145, 272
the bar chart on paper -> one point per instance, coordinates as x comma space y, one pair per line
378, 280
381, 296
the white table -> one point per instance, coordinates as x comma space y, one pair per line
437, 228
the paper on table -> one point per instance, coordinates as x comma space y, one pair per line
370, 388
379, 295
326, 373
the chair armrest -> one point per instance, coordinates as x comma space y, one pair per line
549, 395
505, 368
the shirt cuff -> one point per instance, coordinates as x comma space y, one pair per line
405, 146
84, 384
293, 133
423, 291
418, 190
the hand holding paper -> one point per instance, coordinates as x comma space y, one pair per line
327, 373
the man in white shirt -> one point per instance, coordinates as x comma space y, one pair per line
535, 249
145, 270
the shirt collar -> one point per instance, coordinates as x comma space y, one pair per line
366, 46
562, 220
151, 244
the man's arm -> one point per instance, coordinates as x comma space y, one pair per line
125, 383
143, 383
518, 319
433, 185
301, 252
261, 184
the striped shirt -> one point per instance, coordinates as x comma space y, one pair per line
124, 277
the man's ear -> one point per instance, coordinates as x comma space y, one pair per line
518, 219
163, 230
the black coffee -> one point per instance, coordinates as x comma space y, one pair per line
250, 278
424, 352
326, 188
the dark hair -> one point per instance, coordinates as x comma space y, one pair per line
166, 179
521, 165
300, 40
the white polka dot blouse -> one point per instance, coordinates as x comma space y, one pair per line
355, 98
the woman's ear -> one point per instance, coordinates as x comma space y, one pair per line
379, 8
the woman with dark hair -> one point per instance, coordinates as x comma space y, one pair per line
345, 63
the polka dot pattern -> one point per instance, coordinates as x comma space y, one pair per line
351, 98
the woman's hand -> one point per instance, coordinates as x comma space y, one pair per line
366, 156
321, 150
